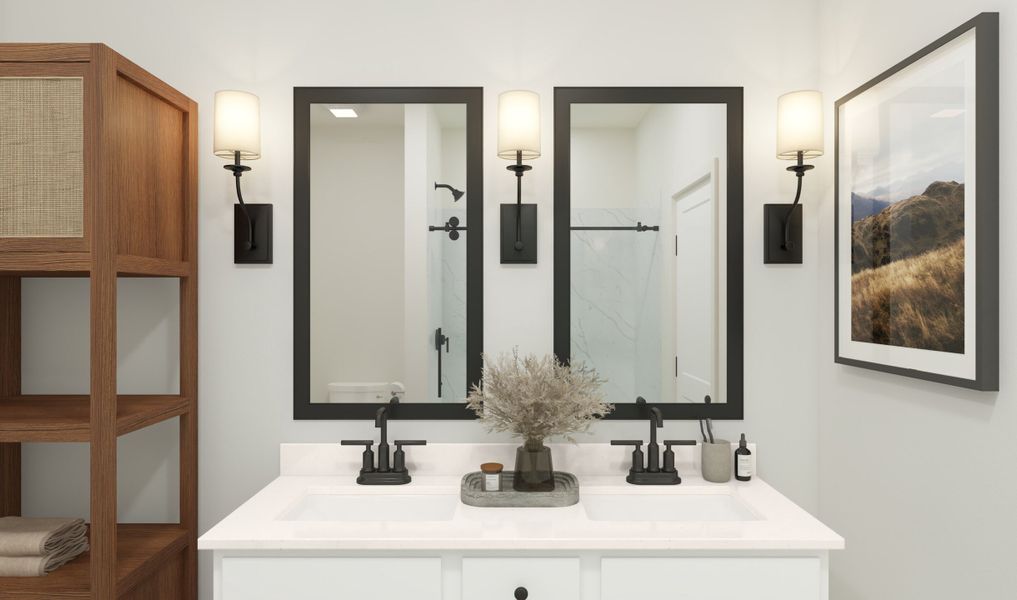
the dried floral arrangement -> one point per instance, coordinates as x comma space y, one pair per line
537, 397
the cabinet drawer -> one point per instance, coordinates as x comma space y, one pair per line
498, 578
711, 578
329, 578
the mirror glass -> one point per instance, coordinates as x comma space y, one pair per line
388, 252
647, 245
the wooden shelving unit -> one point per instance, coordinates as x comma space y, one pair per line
143, 552
138, 218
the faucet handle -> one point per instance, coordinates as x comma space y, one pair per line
669, 453
367, 465
399, 458
637, 453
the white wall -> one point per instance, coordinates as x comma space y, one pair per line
917, 476
268, 47
603, 168
356, 211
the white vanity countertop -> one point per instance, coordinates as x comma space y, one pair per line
314, 469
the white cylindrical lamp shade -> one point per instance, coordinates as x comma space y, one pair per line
237, 125
519, 124
800, 124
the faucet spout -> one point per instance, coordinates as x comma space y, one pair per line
656, 418
382, 416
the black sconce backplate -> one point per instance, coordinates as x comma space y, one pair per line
773, 235
528, 254
261, 253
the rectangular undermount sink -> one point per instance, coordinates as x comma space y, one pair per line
665, 507
373, 507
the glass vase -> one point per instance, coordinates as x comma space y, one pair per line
534, 471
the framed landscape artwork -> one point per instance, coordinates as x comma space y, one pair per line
916, 210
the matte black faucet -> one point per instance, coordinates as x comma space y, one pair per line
651, 473
381, 422
383, 474
652, 449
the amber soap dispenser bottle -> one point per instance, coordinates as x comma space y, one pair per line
743, 461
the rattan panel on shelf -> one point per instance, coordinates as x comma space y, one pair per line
41, 150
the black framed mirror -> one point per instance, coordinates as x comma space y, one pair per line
648, 246
388, 251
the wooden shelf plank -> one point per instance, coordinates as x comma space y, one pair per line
50, 264
141, 550
44, 263
33, 52
144, 266
66, 418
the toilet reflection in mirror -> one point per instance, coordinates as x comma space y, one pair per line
388, 253
647, 211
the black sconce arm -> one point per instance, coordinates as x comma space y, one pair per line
799, 170
238, 170
519, 168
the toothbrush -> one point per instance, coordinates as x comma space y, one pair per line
709, 422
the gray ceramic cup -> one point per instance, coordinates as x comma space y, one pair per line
717, 461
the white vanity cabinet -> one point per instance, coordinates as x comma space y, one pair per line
497, 578
583, 576
328, 578
712, 578
314, 534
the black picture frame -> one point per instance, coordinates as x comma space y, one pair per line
733, 99
303, 98
986, 244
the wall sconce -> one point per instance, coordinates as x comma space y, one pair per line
799, 136
519, 140
237, 136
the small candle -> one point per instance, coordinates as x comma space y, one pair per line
492, 476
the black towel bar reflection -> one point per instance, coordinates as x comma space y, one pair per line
638, 228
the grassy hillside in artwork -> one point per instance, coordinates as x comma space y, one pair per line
907, 286
930, 220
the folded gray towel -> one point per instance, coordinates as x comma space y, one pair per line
36, 566
20, 536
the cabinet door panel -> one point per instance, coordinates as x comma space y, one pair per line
329, 578
42, 132
711, 578
498, 578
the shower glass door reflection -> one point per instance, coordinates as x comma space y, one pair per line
446, 253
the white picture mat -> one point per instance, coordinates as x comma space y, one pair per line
958, 51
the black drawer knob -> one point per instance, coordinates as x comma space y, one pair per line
521, 593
